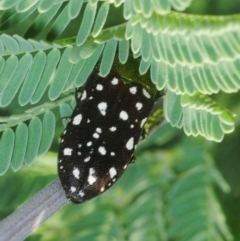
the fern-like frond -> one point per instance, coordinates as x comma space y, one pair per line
147, 8
193, 114
198, 115
180, 59
16, 45
183, 58
17, 77
193, 210
184, 54
11, 18
192, 193
28, 74
28, 140
15, 12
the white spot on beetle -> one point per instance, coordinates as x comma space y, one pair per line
89, 143
88, 120
143, 122
79, 153
96, 135
114, 180
73, 189
133, 90
90, 98
102, 189
77, 119
139, 106
84, 95
114, 81
61, 167
125, 167
91, 177
62, 140
76, 172
146, 94
67, 152
130, 143
87, 159
113, 128
102, 107
99, 87
102, 150
123, 115
131, 126
112, 153
79, 145
99, 130
81, 193
112, 172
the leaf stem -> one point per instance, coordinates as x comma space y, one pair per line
22, 222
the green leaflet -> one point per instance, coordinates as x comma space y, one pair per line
198, 115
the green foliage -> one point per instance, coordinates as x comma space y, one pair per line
171, 197
198, 115
48, 48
